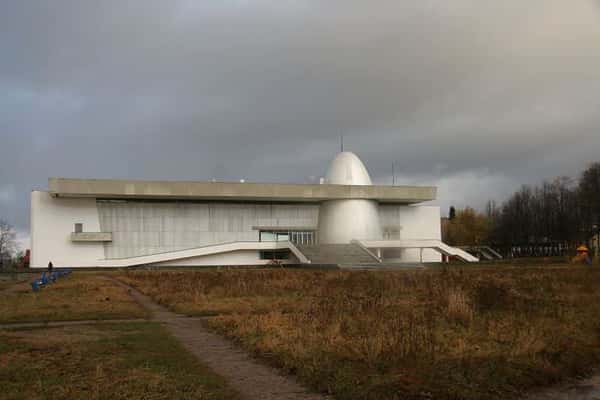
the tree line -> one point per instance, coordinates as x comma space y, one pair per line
556, 214
8, 244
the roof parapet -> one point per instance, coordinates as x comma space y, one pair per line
182, 190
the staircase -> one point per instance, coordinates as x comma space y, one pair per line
336, 254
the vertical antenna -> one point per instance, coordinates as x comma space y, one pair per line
342, 143
393, 173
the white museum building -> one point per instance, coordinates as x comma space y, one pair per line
344, 220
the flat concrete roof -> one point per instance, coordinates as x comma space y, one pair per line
275, 192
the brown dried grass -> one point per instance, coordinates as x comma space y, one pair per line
459, 306
448, 333
76, 297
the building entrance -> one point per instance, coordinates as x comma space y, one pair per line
306, 238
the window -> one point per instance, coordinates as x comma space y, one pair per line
266, 236
274, 255
283, 236
304, 238
274, 236
78, 227
296, 237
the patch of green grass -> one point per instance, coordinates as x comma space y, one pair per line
75, 297
104, 361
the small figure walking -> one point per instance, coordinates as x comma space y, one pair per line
50, 266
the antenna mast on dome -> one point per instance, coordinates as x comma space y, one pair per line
342, 143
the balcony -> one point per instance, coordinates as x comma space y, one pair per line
91, 237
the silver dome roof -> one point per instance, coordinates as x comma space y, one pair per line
348, 169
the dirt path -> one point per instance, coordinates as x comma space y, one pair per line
588, 389
49, 324
252, 379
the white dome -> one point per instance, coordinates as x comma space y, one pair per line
341, 221
348, 169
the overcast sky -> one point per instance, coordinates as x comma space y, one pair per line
475, 96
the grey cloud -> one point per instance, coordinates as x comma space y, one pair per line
466, 94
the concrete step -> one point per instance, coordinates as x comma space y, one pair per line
336, 254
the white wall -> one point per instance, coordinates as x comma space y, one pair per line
52, 222
143, 228
242, 257
53, 219
175, 226
341, 221
400, 222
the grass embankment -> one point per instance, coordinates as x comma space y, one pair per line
446, 334
78, 296
104, 361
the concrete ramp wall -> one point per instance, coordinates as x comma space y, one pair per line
243, 253
431, 244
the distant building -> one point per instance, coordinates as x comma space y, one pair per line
344, 220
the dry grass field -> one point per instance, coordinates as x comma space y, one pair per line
8, 280
76, 297
460, 333
103, 361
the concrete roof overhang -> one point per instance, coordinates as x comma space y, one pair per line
227, 191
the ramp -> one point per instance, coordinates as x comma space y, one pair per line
189, 253
436, 245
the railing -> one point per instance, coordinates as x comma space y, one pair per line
301, 257
366, 250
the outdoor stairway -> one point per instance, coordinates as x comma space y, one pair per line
483, 252
336, 254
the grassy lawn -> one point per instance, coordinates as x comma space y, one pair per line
76, 297
103, 361
459, 333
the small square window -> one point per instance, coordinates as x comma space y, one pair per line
78, 227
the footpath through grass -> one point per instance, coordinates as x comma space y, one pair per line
102, 361
78, 296
445, 334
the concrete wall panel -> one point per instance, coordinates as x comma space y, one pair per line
52, 222
410, 222
142, 228
243, 257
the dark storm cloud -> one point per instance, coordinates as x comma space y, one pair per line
476, 96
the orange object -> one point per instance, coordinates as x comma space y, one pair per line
583, 249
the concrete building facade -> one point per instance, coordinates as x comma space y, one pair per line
117, 223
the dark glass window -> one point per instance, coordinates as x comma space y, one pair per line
274, 255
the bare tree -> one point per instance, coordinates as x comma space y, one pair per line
557, 214
8, 244
589, 193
